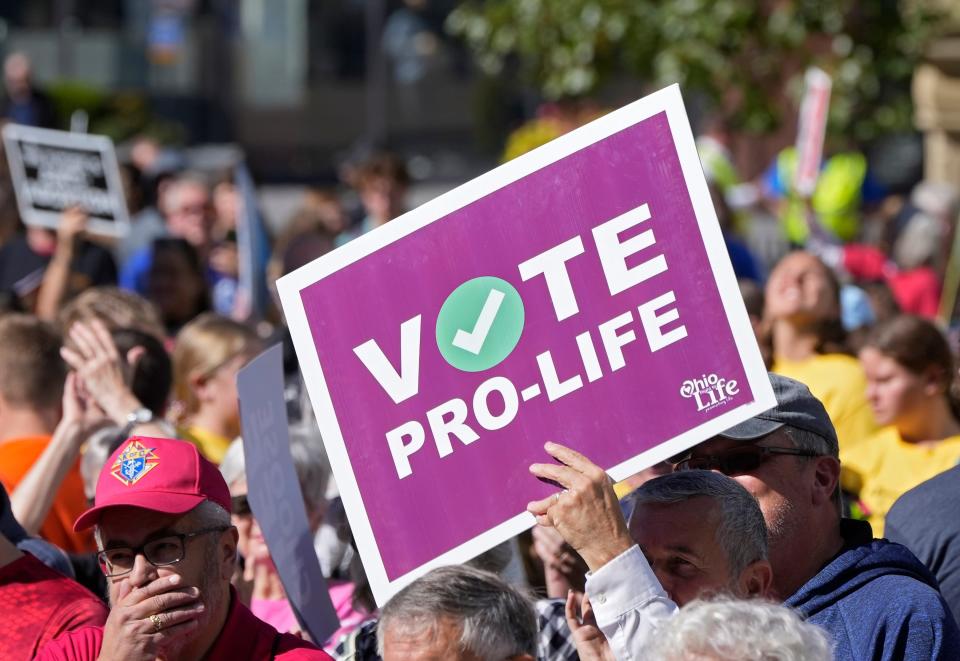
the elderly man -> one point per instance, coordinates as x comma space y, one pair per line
874, 598
162, 524
457, 613
702, 534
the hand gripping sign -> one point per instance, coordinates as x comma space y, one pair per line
581, 293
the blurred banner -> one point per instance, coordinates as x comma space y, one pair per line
814, 111
274, 494
253, 245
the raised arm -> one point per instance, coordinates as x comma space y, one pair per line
32, 499
56, 278
628, 603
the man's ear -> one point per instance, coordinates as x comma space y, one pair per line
934, 383
755, 580
228, 549
826, 476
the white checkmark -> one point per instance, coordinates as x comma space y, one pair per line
473, 341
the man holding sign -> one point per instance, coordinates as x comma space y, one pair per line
874, 598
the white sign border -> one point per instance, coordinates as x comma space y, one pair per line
118, 227
289, 287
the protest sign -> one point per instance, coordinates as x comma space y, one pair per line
274, 493
54, 170
253, 248
814, 110
581, 293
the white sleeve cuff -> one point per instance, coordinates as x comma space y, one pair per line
624, 584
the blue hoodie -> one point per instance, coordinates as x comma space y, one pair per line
878, 601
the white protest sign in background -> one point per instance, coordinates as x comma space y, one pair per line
55, 170
814, 111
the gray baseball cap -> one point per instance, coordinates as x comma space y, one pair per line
796, 407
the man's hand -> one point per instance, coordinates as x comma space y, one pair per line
148, 621
73, 223
587, 513
79, 416
591, 644
98, 364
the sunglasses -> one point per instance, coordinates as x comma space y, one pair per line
739, 460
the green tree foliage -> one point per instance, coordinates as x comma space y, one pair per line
744, 55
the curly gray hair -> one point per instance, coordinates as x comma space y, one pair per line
737, 630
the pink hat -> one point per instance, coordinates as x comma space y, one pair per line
159, 474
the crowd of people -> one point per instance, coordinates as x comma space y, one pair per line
824, 528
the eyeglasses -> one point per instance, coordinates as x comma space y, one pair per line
159, 552
240, 506
739, 460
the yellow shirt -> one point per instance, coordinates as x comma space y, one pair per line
885, 467
212, 446
837, 381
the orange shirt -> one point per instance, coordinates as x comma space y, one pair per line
16, 457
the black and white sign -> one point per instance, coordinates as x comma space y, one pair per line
54, 170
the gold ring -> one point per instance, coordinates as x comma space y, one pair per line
556, 497
157, 622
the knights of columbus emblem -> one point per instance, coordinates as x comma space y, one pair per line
133, 463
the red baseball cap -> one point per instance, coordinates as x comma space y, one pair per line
159, 474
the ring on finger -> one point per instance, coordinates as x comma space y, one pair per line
157, 622
556, 497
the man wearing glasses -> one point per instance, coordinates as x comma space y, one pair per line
162, 524
874, 598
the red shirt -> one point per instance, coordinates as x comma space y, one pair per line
243, 637
38, 604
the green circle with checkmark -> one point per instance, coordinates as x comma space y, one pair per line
480, 324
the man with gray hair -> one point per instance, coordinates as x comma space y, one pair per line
458, 613
702, 534
873, 597
161, 519
697, 534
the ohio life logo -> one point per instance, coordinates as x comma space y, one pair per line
709, 391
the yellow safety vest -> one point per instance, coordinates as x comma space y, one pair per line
835, 200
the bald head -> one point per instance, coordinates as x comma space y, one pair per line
16, 74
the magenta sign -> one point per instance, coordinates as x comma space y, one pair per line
579, 294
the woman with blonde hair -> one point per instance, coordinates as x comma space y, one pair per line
209, 352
